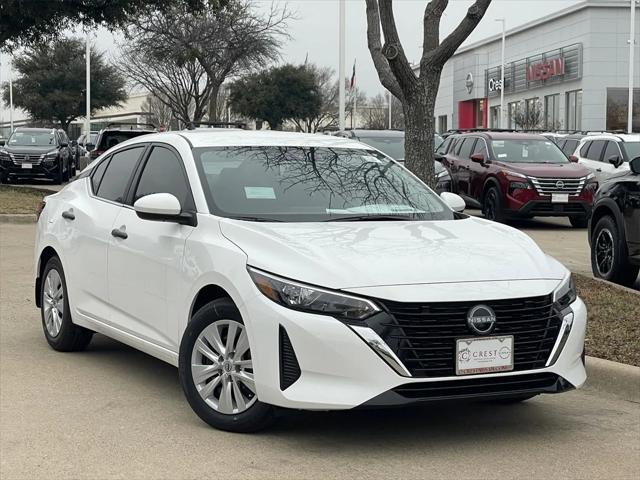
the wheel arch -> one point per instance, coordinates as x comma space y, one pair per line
206, 294
488, 183
606, 207
47, 254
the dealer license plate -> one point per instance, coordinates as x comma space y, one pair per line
484, 355
28, 166
559, 198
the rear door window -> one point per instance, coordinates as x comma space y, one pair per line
442, 149
118, 174
569, 146
98, 173
595, 150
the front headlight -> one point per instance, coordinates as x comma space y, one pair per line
565, 294
50, 155
510, 173
306, 298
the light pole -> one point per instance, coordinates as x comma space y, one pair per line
389, 94
341, 67
87, 121
502, 115
632, 45
10, 96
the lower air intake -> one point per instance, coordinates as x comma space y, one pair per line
289, 366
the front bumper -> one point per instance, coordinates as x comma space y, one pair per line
339, 370
37, 169
529, 203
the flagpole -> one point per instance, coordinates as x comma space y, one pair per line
87, 121
389, 94
354, 92
341, 67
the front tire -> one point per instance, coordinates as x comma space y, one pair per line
216, 370
59, 330
609, 255
492, 205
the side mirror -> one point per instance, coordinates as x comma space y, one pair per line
455, 202
478, 158
615, 160
74, 143
573, 159
89, 146
163, 207
635, 165
64, 144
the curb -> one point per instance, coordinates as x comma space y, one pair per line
17, 218
615, 378
615, 285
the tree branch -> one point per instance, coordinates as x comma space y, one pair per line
392, 50
449, 45
374, 43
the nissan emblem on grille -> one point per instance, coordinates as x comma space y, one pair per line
560, 184
481, 319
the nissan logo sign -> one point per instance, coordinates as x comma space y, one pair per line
559, 184
481, 319
469, 82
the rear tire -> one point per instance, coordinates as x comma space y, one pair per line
492, 205
224, 366
609, 254
59, 330
579, 222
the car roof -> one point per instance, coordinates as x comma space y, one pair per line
226, 137
35, 129
505, 135
616, 137
377, 133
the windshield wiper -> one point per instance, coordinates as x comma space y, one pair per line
372, 218
253, 219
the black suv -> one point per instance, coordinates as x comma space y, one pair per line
116, 133
36, 153
614, 228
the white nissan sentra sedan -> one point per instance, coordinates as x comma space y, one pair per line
300, 271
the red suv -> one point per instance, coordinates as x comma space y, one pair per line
517, 175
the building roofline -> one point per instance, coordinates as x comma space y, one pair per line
553, 16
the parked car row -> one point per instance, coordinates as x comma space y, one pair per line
47, 153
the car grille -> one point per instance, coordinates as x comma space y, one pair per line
20, 158
547, 186
423, 336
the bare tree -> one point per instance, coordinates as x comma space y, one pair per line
202, 49
376, 113
158, 109
417, 92
328, 89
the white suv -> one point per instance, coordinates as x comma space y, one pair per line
608, 154
300, 271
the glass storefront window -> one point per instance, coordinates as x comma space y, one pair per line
617, 108
552, 112
574, 110
442, 123
512, 109
495, 117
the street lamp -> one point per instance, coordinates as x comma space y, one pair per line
502, 110
87, 121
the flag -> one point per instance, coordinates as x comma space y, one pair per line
353, 76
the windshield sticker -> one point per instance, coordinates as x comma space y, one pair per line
502, 155
525, 151
259, 193
498, 143
371, 159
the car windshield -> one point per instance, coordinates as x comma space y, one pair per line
528, 151
392, 146
633, 150
32, 139
311, 184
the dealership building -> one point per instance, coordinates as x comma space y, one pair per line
566, 71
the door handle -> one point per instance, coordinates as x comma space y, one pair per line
116, 232
68, 215
598, 170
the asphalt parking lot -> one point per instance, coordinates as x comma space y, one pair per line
113, 412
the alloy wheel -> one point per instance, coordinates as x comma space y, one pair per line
490, 208
222, 368
53, 302
604, 252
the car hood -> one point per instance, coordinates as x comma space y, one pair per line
30, 150
552, 170
344, 255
